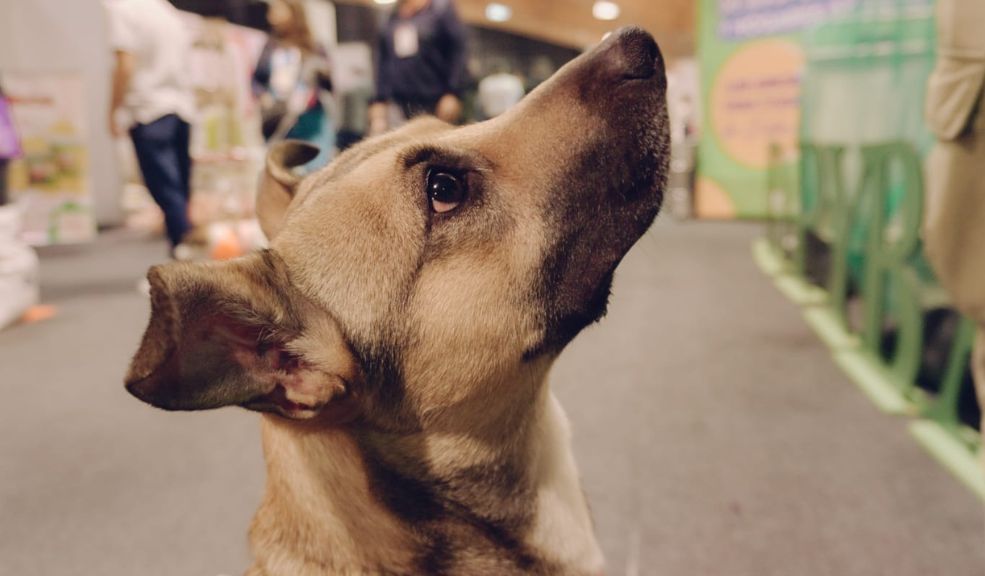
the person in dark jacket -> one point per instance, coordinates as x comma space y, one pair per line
421, 63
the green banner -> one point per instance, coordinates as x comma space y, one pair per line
775, 73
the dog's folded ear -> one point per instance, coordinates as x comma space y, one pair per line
279, 182
237, 333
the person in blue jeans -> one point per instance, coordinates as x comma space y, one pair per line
151, 48
162, 153
290, 80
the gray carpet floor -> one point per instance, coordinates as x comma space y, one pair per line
714, 434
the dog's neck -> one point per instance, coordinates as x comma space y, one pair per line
437, 501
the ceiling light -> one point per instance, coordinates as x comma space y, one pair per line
498, 12
385, 1
605, 10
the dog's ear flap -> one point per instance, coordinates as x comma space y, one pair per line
235, 333
279, 182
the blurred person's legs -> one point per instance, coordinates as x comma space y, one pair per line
417, 107
183, 140
163, 155
954, 220
954, 228
403, 110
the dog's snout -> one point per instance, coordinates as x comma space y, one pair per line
636, 54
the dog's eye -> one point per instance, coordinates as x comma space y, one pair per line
446, 191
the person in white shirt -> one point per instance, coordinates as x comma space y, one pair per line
151, 47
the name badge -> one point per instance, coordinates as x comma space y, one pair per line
405, 40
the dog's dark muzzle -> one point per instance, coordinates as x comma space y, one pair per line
628, 59
624, 81
610, 104
637, 54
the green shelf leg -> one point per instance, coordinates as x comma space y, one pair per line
945, 408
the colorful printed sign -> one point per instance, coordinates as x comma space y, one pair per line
755, 101
775, 72
741, 19
751, 98
51, 179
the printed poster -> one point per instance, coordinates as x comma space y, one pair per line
50, 181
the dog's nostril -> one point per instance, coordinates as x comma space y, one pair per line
640, 54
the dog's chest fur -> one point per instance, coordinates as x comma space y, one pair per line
337, 504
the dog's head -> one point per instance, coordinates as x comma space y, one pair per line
425, 269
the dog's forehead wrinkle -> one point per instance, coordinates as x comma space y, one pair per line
324, 180
448, 153
366, 151
416, 154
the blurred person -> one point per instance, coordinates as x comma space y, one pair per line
954, 221
291, 77
499, 91
421, 62
150, 80
541, 68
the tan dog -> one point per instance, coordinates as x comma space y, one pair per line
400, 328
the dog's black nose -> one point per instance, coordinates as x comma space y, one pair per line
640, 57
